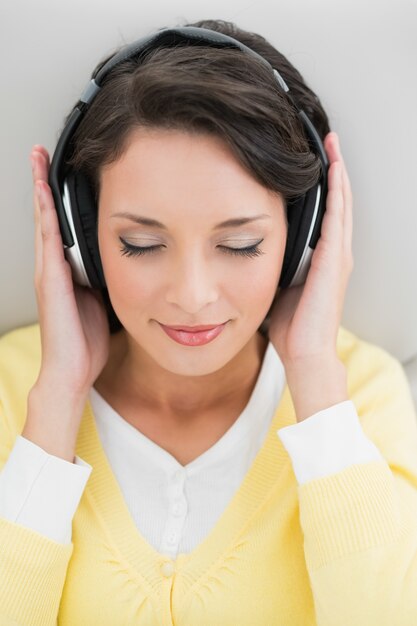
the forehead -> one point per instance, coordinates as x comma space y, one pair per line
165, 172
177, 152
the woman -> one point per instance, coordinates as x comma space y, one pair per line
262, 472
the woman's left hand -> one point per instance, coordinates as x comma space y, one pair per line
305, 319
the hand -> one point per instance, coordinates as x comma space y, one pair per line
73, 322
305, 319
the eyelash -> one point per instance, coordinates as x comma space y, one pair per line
128, 250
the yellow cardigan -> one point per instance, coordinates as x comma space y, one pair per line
336, 551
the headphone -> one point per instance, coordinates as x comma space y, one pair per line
74, 198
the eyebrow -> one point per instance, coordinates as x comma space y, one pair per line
147, 221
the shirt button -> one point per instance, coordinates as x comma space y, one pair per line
178, 509
167, 569
172, 538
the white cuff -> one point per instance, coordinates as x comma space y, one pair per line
41, 491
327, 442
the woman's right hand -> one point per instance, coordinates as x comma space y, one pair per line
74, 329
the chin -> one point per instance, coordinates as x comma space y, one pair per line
191, 364
191, 361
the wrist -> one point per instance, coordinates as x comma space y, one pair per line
53, 420
316, 384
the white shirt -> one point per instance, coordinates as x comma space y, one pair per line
173, 506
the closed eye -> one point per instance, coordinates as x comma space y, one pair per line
128, 249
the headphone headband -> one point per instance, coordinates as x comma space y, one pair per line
168, 37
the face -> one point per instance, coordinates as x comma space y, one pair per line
188, 270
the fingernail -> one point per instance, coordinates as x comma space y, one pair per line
32, 160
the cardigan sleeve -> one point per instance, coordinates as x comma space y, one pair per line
327, 442
33, 567
360, 523
40, 490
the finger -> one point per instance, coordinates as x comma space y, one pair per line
38, 244
40, 160
39, 172
55, 270
38, 234
332, 145
333, 153
348, 203
346, 182
332, 227
334, 188
51, 234
39, 148
348, 215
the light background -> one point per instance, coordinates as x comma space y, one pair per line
361, 59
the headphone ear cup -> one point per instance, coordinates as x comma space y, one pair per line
301, 214
84, 215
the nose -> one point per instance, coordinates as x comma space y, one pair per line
192, 283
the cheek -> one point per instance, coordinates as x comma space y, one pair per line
128, 286
258, 284
250, 285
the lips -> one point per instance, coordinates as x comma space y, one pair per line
193, 329
193, 337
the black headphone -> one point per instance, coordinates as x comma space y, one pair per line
74, 198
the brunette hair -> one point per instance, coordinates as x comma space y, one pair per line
202, 89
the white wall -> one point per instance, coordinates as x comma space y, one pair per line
359, 57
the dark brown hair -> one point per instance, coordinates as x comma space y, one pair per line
199, 89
